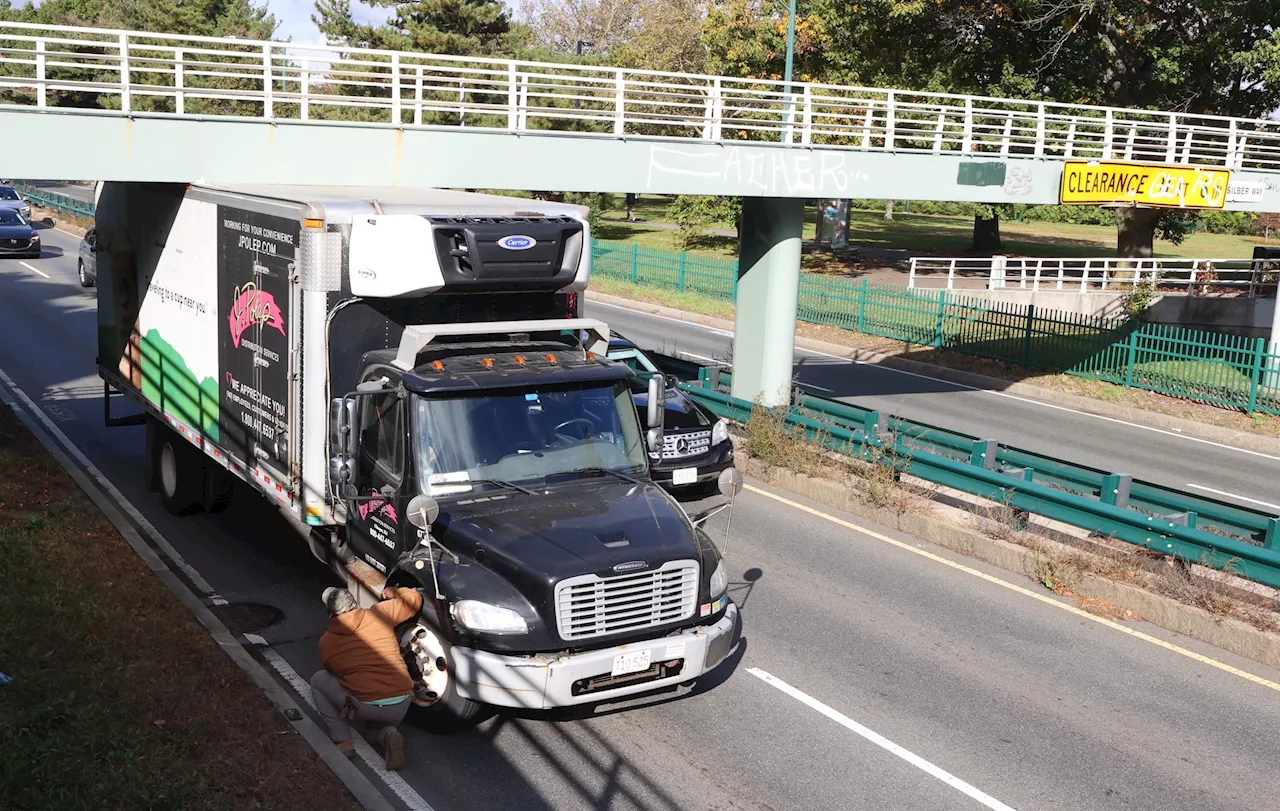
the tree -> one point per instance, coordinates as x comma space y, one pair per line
458, 27
650, 34
697, 214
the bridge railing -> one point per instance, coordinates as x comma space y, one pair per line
1194, 277
148, 73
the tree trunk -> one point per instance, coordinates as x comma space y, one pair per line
986, 233
1136, 232
888, 210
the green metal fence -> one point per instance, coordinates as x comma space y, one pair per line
1222, 370
57, 202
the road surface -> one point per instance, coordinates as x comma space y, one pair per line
874, 672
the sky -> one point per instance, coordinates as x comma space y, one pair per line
294, 17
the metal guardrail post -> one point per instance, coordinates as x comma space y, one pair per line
874, 425
126, 98
1115, 489
1186, 519
1271, 540
41, 91
984, 453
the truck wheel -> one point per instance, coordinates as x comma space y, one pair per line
218, 485
180, 474
436, 707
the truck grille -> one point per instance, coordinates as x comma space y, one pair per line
678, 446
589, 605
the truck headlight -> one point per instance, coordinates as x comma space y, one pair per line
719, 580
719, 432
477, 616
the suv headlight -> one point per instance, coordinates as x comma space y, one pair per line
719, 432
477, 616
719, 580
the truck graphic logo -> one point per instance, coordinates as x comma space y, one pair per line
631, 566
517, 242
253, 306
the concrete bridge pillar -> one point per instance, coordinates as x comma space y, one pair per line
768, 284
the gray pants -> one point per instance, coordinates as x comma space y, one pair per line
329, 696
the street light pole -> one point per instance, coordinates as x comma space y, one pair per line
791, 42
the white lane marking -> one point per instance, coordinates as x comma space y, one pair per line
366, 752
394, 781
34, 269
881, 741
199, 582
1174, 433
695, 356
1026, 592
1233, 495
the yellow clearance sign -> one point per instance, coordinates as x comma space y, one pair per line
1105, 183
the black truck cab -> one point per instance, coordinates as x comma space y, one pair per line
556, 571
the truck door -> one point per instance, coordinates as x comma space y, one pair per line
375, 522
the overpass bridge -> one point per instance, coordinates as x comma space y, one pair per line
146, 107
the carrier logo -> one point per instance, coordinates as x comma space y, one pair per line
631, 566
517, 242
253, 306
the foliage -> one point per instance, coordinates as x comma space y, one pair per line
596, 203
695, 215
1138, 300
460, 27
651, 34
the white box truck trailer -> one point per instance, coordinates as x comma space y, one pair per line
405, 375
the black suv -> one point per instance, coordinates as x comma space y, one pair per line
695, 442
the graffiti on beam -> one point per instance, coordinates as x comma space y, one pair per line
780, 172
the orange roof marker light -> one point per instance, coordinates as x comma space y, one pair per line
437, 365
488, 363
591, 356
550, 358
519, 359
311, 222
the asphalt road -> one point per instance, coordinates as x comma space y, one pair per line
1165, 457
999, 699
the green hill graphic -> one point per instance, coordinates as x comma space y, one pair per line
167, 382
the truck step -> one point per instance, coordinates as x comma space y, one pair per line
363, 577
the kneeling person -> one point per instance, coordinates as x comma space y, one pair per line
364, 675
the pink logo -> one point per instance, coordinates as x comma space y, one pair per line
378, 506
253, 306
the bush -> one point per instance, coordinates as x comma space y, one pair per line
696, 214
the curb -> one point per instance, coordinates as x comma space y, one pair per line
364, 792
1227, 633
1088, 405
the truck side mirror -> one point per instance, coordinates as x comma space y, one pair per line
730, 482
342, 422
422, 511
655, 440
657, 401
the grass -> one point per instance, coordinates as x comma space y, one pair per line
928, 235
119, 698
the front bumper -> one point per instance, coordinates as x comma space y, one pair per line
544, 681
22, 249
709, 466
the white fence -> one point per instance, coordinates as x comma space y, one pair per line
1195, 277
146, 73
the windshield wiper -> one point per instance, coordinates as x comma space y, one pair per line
503, 483
609, 472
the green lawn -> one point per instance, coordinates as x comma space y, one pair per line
926, 235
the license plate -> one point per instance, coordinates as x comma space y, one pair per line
685, 475
625, 663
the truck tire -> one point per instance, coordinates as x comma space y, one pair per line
218, 488
179, 474
449, 713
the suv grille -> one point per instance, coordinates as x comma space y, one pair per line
589, 605
678, 446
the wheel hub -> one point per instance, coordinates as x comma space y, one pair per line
168, 470
427, 651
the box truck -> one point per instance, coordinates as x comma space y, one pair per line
405, 374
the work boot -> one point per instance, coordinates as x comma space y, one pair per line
393, 749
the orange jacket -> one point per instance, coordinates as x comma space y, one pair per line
361, 649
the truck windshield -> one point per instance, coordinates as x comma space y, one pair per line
525, 436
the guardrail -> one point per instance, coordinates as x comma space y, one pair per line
152, 73
1193, 277
57, 202
1195, 529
